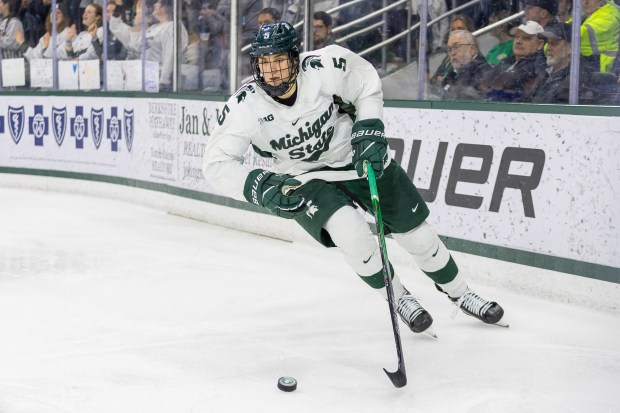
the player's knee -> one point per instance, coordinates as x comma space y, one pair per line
350, 232
419, 240
424, 244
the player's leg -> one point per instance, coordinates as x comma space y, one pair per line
404, 214
333, 221
435, 261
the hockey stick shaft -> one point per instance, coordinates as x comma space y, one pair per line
399, 377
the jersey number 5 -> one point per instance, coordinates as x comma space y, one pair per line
340, 64
222, 117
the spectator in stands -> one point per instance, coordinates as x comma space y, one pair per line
214, 19
80, 46
43, 49
554, 84
291, 11
248, 11
116, 49
599, 34
439, 31
159, 38
541, 11
33, 13
322, 30
326, 5
503, 49
367, 38
476, 13
470, 68
445, 69
9, 25
268, 15
462, 22
565, 11
517, 81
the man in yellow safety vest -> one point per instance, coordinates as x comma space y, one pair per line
599, 32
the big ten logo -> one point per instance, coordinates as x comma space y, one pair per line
193, 124
483, 157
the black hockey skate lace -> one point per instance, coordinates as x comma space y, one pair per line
471, 302
409, 308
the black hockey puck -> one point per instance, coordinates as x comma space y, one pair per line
287, 384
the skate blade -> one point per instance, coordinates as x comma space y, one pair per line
502, 323
430, 332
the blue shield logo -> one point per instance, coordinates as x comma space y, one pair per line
96, 122
59, 124
16, 123
129, 126
79, 127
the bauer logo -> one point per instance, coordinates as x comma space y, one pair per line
59, 124
129, 122
38, 125
96, 122
16, 123
79, 127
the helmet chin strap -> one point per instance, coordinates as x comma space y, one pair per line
281, 89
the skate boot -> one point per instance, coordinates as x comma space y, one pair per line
414, 315
472, 304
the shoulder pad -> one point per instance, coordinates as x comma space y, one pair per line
311, 61
243, 92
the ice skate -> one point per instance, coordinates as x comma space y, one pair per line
414, 315
472, 304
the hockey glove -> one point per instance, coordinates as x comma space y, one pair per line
264, 188
369, 144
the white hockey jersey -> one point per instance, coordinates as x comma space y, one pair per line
310, 135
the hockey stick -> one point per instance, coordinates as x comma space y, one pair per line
399, 377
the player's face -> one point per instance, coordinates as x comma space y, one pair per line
275, 69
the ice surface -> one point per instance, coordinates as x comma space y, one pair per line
111, 307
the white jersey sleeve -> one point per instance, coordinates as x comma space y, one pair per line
223, 160
356, 81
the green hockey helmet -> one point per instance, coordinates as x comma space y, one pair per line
272, 39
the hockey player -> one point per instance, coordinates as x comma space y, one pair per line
318, 115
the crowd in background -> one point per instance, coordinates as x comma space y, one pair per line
530, 61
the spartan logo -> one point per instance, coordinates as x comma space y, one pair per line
243, 92
114, 129
79, 127
314, 61
96, 123
38, 125
129, 128
59, 124
16, 123
312, 209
